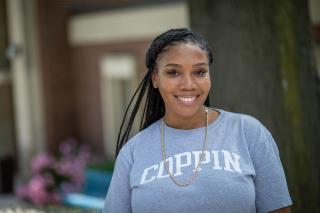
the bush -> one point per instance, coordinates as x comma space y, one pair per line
53, 177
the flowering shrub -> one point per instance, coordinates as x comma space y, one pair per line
52, 177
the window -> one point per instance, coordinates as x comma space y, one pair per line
118, 73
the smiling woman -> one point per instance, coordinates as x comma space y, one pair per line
189, 157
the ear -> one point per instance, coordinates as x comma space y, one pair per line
154, 77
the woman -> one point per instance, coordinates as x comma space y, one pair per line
189, 157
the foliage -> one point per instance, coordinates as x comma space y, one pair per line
54, 176
103, 166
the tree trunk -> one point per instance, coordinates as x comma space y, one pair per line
264, 66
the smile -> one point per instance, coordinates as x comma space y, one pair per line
187, 99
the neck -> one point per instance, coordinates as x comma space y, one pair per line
186, 122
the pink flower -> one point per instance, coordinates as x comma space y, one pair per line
68, 147
37, 191
41, 161
73, 169
52, 178
84, 154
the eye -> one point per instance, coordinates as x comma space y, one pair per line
172, 72
201, 73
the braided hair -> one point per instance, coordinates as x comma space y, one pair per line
154, 107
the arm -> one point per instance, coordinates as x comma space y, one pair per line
270, 181
118, 198
271, 189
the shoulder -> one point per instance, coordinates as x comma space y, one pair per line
141, 138
252, 129
247, 121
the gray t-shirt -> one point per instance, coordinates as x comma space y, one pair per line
241, 170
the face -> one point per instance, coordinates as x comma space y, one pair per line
182, 77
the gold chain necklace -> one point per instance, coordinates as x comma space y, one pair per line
204, 147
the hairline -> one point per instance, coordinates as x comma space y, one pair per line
182, 41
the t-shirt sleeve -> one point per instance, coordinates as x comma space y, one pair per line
118, 199
270, 182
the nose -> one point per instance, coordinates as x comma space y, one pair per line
187, 83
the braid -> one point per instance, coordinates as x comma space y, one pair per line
154, 107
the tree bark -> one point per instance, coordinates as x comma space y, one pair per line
264, 66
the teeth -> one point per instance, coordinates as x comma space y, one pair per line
186, 99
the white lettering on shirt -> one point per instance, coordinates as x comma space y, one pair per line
216, 162
196, 155
179, 164
181, 161
145, 173
162, 169
228, 161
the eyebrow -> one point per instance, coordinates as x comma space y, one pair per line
173, 65
179, 65
200, 64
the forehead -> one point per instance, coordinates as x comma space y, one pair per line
182, 53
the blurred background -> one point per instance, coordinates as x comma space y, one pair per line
68, 69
